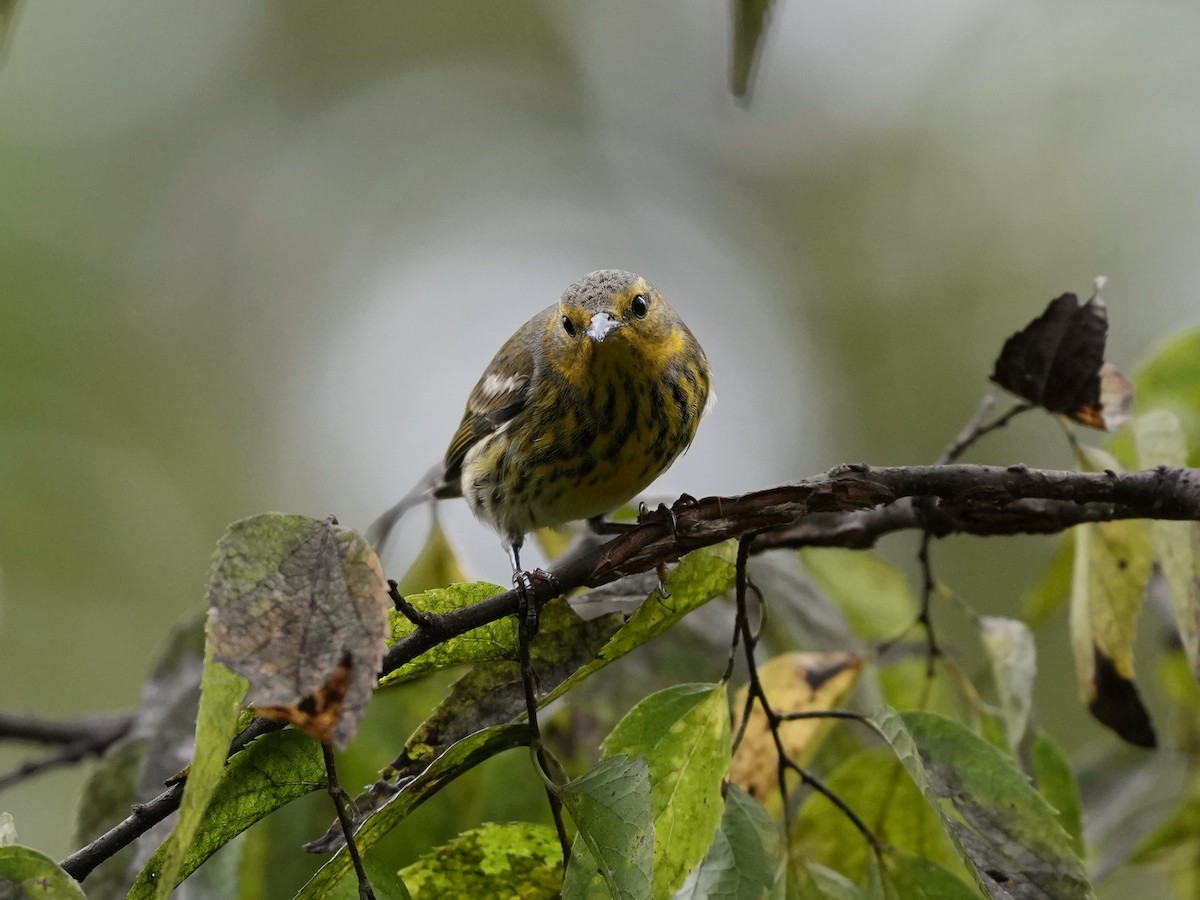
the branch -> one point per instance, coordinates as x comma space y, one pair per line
145, 816
851, 506
77, 739
840, 509
35, 729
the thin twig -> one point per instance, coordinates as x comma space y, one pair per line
757, 694
821, 788
974, 430
925, 618
341, 802
826, 714
977, 428
39, 730
77, 740
529, 682
144, 816
431, 622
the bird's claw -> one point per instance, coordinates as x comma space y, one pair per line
528, 610
661, 571
661, 513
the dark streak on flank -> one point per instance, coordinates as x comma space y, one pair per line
627, 428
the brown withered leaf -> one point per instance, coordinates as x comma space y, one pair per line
793, 682
298, 606
1057, 362
318, 713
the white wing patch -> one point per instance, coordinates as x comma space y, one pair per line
495, 385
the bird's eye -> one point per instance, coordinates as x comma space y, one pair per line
568, 325
640, 306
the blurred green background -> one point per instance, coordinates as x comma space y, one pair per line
253, 255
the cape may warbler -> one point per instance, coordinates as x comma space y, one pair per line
590, 401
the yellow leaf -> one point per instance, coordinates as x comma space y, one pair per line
1161, 442
1112, 566
435, 566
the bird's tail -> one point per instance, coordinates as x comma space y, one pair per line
380, 530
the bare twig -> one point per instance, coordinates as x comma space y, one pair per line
977, 428
431, 622
77, 740
39, 730
341, 802
145, 816
755, 693
974, 430
529, 682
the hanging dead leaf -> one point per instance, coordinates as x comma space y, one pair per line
793, 682
298, 606
1057, 362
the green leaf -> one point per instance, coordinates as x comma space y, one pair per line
1056, 782
1054, 588
745, 860
582, 880
516, 859
1171, 381
906, 685
495, 640
1161, 442
1112, 566
610, 805
683, 735
875, 786
1181, 829
298, 606
1005, 831
875, 596
1013, 657
8, 15
749, 23
274, 770
35, 874
490, 693
909, 877
385, 881
458, 758
699, 577
829, 884
134, 768
221, 695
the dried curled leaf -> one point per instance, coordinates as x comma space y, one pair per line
1057, 362
299, 608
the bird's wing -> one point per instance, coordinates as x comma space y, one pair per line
502, 391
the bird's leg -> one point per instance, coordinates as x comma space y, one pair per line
523, 582
602, 526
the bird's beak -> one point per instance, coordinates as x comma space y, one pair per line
602, 325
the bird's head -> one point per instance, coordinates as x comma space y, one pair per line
609, 314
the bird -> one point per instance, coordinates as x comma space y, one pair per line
579, 411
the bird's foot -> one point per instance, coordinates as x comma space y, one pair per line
528, 609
